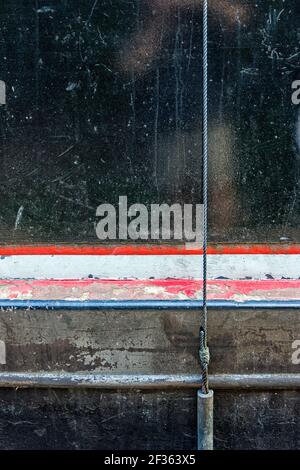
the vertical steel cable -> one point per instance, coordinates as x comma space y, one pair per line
204, 352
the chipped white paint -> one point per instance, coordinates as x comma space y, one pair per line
296, 353
19, 217
2, 92
146, 267
2, 352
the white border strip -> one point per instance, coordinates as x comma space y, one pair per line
147, 267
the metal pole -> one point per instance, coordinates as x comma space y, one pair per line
16, 304
205, 415
120, 381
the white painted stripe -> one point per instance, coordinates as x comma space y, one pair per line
2, 352
145, 267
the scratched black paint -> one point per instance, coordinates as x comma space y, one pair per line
104, 99
91, 419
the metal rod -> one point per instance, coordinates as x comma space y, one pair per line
150, 382
145, 304
205, 420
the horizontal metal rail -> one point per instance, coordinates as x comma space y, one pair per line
145, 304
150, 382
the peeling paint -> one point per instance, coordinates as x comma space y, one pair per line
152, 289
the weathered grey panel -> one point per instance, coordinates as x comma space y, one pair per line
148, 342
62, 419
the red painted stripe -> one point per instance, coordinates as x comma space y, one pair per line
164, 289
99, 250
144, 250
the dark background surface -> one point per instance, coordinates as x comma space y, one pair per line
90, 419
104, 100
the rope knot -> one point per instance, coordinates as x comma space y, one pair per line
204, 356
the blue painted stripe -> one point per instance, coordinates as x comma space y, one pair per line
145, 304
